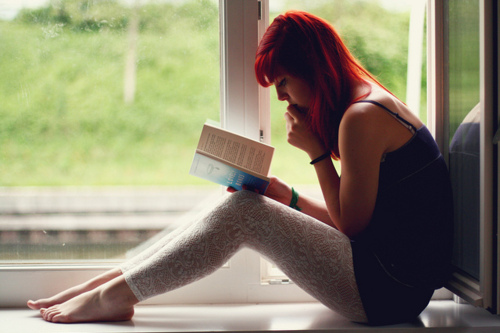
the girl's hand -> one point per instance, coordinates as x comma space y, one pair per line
277, 190
299, 134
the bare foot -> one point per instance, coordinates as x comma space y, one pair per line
74, 291
113, 301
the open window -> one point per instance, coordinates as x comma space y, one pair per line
463, 109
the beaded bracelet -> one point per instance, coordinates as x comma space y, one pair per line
295, 199
321, 158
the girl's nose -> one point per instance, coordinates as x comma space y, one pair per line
282, 96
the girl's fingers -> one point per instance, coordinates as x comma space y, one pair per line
294, 112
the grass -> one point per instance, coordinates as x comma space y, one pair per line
64, 119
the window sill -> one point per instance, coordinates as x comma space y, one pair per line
440, 316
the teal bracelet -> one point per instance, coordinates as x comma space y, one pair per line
295, 199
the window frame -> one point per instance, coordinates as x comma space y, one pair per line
477, 292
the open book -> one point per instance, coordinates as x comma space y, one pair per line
232, 160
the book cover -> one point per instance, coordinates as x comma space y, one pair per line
232, 160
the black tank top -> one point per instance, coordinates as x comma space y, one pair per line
410, 231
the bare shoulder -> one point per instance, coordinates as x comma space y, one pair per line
362, 129
392, 103
360, 117
370, 122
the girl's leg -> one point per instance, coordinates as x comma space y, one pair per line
106, 276
156, 245
113, 273
111, 301
317, 257
74, 291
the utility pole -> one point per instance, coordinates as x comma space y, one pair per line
131, 57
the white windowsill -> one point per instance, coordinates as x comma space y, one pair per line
440, 316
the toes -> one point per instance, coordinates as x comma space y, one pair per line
48, 314
59, 318
33, 305
45, 313
39, 304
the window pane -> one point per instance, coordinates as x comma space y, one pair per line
100, 97
463, 51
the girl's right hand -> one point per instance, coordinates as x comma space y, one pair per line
300, 135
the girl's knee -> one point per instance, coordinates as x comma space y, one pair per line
243, 197
235, 204
245, 194
245, 204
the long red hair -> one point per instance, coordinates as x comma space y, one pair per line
308, 47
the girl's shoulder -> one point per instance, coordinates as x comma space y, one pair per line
380, 105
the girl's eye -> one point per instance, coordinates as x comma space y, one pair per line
282, 83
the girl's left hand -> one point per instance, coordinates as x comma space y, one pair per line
277, 190
299, 134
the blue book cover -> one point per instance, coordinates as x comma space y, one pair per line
220, 173
232, 160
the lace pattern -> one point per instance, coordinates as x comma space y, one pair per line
315, 256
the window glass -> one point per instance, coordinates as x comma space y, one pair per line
464, 155
102, 105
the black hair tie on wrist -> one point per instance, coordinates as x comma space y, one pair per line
321, 158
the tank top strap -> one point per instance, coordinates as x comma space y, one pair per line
396, 115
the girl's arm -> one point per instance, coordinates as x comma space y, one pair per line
362, 141
282, 192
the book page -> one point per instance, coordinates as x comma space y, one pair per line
236, 149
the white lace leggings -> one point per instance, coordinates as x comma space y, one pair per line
315, 256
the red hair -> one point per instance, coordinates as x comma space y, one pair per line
308, 47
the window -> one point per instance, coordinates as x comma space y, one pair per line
103, 98
100, 95
245, 109
463, 105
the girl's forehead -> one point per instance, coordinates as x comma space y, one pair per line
279, 73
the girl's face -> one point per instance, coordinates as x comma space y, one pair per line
293, 90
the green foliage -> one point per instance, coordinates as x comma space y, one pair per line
79, 15
64, 119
